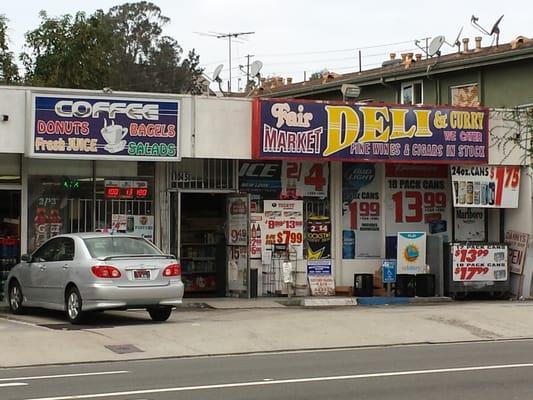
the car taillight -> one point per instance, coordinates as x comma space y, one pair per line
172, 270
106, 271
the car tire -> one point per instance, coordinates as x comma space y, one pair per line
160, 314
15, 298
73, 306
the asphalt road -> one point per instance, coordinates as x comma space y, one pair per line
488, 370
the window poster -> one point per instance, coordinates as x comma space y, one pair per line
283, 225
361, 210
418, 199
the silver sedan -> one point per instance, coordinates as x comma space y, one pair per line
96, 271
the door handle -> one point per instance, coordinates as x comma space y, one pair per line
65, 266
42, 268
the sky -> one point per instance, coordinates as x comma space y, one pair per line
295, 38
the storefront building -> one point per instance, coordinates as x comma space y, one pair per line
483, 200
264, 196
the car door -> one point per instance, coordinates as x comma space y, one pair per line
39, 281
57, 271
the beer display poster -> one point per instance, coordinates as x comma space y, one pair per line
318, 238
361, 210
304, 179
417, 199
478, 263
411, 256
469, 225
517, 244
283, 225
485, 186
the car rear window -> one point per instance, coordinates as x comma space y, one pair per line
116, 246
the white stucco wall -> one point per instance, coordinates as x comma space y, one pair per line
13, 105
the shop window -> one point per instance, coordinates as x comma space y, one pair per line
465, 95
65, 197
124, 193
60, 199
412, 93
9, 168
361, 210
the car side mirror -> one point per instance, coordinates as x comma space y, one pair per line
26, 258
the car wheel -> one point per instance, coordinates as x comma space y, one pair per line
160, 314
15, 298
73, 305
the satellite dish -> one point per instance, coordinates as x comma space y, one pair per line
255, 68
216, 72
495, 29
435, 45
457, 42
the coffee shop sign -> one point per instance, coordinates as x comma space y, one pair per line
105, 128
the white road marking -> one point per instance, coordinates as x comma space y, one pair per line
285, 381
12, 384
31, 378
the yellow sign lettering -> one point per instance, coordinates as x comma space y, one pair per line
373, 124
337, 115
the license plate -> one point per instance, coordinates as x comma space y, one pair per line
141, 274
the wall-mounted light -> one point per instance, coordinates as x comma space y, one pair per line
5, 117
350, 91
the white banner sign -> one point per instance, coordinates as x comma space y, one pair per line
411, 255
256, 227
485, 186
321, 285
477, 263
517, 244
304, 178
283, 224
138, 225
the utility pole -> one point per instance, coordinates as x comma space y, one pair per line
248, 56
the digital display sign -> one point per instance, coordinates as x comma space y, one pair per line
126, 190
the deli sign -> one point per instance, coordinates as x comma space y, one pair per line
100, 127
285, 129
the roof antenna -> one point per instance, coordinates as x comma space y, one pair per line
495, 30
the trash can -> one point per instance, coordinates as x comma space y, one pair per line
253, 283
425, 285
405, 285
363, 285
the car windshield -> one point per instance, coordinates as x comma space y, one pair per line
117, 245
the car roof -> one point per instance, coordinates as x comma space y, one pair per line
90, 235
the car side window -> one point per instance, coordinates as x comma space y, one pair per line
66, 250
47, 252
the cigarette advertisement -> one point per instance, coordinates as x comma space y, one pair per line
485, 186
138, 225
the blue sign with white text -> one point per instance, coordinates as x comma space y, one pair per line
388, 271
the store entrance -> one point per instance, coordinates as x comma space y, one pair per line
9, 233
203, 244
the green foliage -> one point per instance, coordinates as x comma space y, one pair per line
122, 49
8, 69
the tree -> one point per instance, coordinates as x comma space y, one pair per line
8, 69
69, 51
122, 49
512, 134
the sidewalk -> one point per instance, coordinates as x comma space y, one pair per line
231, 326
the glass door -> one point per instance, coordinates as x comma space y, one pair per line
9, 233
